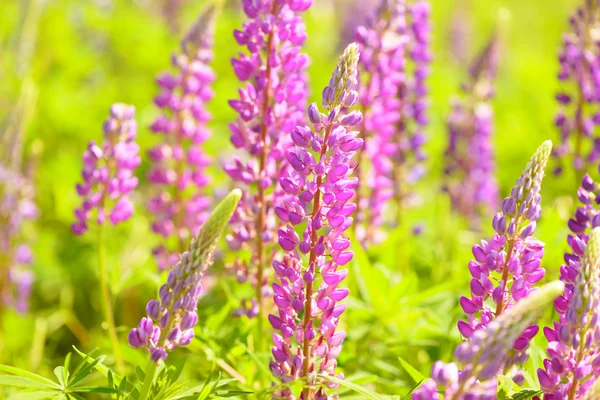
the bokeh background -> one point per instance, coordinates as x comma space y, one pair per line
62, 64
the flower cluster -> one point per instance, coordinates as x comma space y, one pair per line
108, 172
16, 207
395, 59
382, 40
579, 112
469, 169
505, 268
171, 319
269, 107
574, 343
481, 358
318, 190
178, 171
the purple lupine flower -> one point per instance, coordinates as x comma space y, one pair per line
481, 358
383, 42
579, 111
505, 268
178, 172
108, 172
470, 165
395, 58
16, 207
269, 106
170, 319
574, 344
318, 190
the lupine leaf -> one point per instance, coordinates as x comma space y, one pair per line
29, 375
413, 372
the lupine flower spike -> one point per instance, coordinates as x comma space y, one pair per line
16, 207
178, 172
469, 170
579, 111
269, 106
481, 358
170, 319
383, 43
395, 59
318, 190
574, 343
505, 268
108, 179
108, 172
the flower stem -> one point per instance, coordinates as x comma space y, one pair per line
106, 301
150, 370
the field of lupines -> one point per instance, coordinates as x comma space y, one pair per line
299, 199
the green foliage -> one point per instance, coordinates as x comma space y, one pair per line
70, 384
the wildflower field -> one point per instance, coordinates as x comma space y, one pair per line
300, 199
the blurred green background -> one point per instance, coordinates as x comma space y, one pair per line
68, 60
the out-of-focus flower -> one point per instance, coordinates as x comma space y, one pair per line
108, 172
505, 268
16, 207
394, 66
579, 110
481, 358
178, 171
470, 180
269, 106
319, 191
171, 318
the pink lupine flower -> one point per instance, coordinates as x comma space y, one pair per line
269, 106
319, 190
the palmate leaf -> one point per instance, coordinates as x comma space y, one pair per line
69, 385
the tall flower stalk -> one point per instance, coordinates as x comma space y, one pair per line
170, 319
481, 358
470, 166
574, 343
505, 268
178, 172
394, 66
579, 110
269, 106
16, 207
108, 178
319, 191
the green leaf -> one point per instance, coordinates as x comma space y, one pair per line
39, 394
29, 375
85, 371
526, 395
59, 372
18, 381
100, 367
354, 387
412, 371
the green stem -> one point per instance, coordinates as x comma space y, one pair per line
148, 380
106, 302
